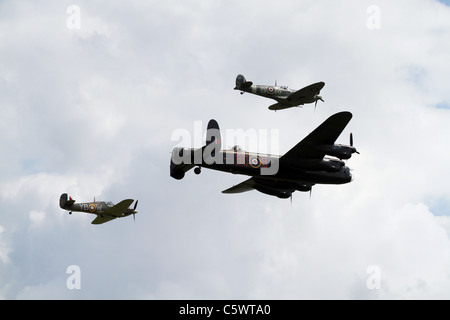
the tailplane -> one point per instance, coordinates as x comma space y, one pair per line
242, 84
65, 201
184, 159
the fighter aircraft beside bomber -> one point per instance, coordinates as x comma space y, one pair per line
285, 97
105, 211
299, 169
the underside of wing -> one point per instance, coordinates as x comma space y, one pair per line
119, 208
100, 219
280, 106
279, 188
305, 93
325, 134
245, 186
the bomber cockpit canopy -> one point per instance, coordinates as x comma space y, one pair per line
237, 148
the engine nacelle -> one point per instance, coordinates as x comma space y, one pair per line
331, 165
336, 150
274, 192
304, 188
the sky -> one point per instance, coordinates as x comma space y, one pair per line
92, 95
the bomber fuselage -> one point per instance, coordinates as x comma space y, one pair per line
268, 167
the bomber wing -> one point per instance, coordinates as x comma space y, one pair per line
306, 93
325, 134
245, 186
279, 188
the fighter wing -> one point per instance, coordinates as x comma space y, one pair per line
325, 134
100, 219
280, 106
307, 93
245, 186
119, 208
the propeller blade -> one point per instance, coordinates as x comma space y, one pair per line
351, 142
317, 98
134, 210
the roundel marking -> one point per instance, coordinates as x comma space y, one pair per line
270, 90
254, 162
92, 207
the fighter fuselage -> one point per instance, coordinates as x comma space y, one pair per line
273, 92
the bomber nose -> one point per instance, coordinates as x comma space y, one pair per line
349, 177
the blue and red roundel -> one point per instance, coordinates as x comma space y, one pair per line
254, 162
271, 90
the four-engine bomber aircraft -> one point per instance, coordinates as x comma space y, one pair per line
299, 169
285, 97
105, 211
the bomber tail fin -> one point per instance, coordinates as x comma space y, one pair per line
242, 84
213, 134
184, 159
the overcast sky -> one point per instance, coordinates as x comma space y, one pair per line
92, 93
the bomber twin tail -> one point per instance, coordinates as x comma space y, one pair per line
299, 169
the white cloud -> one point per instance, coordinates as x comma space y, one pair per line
91, 112
36, 218
4, 250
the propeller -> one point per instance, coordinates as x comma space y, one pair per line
134, 210
351, 142
317, 98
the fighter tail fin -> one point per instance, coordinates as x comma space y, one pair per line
65, 201
242, 83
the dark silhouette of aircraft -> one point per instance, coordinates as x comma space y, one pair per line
297, 170
285, 97
105, 211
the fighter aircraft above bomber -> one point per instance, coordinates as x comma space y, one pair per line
105, 211
299, 169
285, 97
